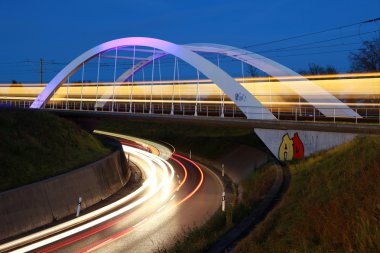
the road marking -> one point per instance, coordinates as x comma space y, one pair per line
162, 207
141, 222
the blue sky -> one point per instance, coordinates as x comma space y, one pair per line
61, 30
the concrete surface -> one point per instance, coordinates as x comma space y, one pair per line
362, 128
34, 205
312, 141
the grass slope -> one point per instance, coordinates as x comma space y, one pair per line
199, 239
35, 145
333, 204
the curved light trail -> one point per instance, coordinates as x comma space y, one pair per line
148, 162
161, 184
126, 231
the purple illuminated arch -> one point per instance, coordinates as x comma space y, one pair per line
247, 103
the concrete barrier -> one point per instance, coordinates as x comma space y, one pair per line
31, 206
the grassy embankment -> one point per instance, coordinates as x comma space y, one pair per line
332, 205
35, 145
199, 239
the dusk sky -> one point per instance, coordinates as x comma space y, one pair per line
59, 31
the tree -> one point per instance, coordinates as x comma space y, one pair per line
252, 71
15, 84
315, 69
330, 70
367, 59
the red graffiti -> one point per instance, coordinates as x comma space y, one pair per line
298, 149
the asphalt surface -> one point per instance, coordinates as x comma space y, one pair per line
157, 222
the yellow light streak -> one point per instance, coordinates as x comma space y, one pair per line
361, 87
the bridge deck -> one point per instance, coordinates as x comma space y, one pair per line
232, 122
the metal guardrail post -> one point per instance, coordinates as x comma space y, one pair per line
356, 116
334, 115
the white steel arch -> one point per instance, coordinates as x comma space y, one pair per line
314, 94
247, 103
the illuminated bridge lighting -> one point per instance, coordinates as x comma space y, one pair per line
212, 93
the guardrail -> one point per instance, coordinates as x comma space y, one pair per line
295, 113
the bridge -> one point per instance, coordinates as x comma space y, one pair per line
138, 68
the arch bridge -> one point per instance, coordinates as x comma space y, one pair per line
126, 94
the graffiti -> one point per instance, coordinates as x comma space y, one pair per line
240, 97
298, 150
290, 148
285, 151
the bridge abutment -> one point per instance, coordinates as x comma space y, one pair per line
287, 145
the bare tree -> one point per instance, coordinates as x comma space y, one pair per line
252, 71
315, 69
330, 70
367, 59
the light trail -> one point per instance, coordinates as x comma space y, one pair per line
152, 162
199, 184
184, 170
101, 243
117, 216
162, 150
342, 85
111, 223
239, 79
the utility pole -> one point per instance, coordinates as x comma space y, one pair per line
41, 71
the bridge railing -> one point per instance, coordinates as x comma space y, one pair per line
293, 113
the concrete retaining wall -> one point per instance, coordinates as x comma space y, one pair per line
31, 206
296, 144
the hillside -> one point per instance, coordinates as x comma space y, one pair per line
332, 205
35, 145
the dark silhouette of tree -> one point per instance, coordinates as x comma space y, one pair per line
14, 83
315, 69
252, 71
330, 70
367, 59
84, 81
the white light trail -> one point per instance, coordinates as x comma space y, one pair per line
148, 162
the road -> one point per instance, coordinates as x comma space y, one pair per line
175, 195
